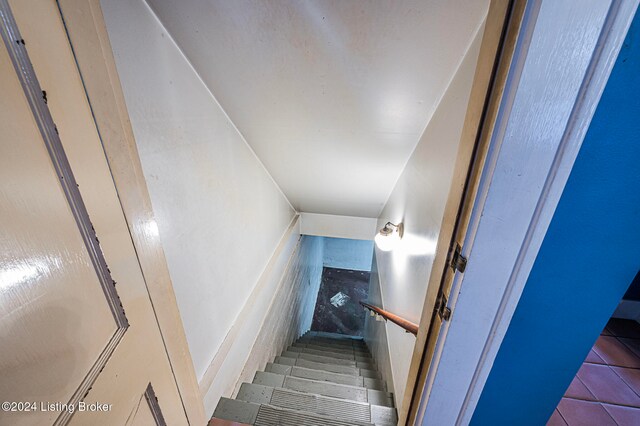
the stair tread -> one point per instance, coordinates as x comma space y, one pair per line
237, 411
333, 348
327, 376
328, 359
334, 368
322, 379
355, 393
333, 354
346, 342
269, 415
332, 344
336, 336
324, 405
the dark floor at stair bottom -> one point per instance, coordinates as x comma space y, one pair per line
337, 309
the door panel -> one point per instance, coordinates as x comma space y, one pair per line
60, 325
50, 294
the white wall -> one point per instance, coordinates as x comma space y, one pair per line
345, 253
328, 225
278, 311
418, 200
220, 215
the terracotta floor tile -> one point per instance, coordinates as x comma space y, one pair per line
606, 385
556, 419
631, 377
614, 352
584, 413
606, 390
632, 344
578, 390
594, 358
623, 416
624, 328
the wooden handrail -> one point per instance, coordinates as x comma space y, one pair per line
407, 325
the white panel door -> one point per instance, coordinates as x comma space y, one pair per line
79, 342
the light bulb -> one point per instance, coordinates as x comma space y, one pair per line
387, 242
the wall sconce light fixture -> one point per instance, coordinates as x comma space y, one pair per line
389, 236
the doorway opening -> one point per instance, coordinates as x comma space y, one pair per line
346, 269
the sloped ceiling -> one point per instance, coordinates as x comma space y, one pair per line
332, 96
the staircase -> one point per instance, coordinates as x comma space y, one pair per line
323, 379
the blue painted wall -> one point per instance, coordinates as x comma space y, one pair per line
345, 253
588, 258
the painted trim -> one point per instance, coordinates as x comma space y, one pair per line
500, 27
515, 34
496, 273
42, 116
328, 225
154, 406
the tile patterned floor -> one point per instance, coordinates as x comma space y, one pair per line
606, 390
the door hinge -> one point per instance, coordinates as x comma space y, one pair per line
458, 262
444, 312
